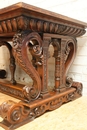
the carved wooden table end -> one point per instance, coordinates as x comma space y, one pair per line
33, 29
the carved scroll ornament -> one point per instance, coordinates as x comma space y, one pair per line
20, 45
15, 113
64, 54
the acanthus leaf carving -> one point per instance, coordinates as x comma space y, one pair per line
21, 42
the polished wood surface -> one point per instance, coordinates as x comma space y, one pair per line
22, 16
29, 10
34, 30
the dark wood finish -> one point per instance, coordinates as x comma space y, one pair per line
34, 29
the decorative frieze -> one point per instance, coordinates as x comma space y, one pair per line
28, 23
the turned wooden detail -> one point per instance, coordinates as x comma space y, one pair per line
32, 31
64, 53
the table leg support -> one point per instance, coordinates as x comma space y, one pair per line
37, 99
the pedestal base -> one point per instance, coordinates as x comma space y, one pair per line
17, 114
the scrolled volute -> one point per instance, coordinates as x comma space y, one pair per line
23, 42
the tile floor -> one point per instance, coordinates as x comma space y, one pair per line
70, 116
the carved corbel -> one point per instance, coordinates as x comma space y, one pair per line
32, 42
64, 53
13, 113
69, 56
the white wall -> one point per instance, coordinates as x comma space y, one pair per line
73, 8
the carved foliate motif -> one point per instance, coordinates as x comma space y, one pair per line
64, 53
11, 91
32, 41
16, 113
36, 52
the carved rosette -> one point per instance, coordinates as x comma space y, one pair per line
32, 42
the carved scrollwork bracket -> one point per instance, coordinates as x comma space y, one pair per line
32, 42
68, 53
64, 53
13, 112
16, 114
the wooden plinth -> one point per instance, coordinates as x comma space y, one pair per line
8, 88
20, 113
36, 108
